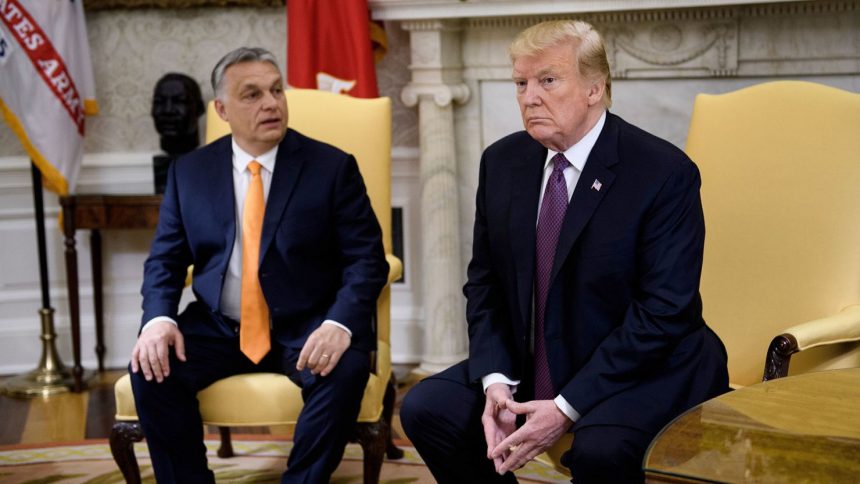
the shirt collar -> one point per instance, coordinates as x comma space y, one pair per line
241, 158
578, 153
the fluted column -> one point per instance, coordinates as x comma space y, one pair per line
436, 84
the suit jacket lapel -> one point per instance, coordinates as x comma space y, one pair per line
287, 170
525, 192
594, 183
222, 179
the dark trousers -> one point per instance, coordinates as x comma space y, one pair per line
442, 417
173, 428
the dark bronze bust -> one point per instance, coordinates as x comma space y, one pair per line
176, 106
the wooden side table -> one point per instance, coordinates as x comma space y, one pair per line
97, 212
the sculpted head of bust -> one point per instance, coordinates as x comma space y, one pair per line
176, 106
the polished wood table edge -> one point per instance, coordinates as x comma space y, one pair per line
96, 212
654, 476
804, 427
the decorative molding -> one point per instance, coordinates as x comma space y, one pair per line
442, 94
673, 49
118, 287
494, 17
709, 11
666, 47
431, 25
596, 18
115, 4
436, 64
403, 154
805, 8
442, 9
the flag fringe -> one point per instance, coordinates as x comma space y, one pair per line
51, 177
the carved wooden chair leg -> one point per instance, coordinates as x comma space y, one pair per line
226, 447
372, 437
391, 450
123, 435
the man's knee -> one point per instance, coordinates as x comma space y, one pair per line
416, 409
440, 406
140, 387
607, 454
352, 371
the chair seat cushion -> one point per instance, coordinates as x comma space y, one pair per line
552, 456
257, 399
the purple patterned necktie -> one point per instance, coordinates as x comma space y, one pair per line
552, 211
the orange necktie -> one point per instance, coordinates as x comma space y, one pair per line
254, 326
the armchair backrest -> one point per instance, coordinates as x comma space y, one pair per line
780, 166
361, 127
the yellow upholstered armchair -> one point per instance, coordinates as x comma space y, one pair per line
361, 127
780, 165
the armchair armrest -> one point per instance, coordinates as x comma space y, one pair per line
395, 267
843, 327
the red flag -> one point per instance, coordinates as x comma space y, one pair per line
330, 48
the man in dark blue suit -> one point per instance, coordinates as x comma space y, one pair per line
316, 267
583, 310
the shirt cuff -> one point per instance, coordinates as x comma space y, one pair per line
331, 321
566, 409
158, 319
488, 380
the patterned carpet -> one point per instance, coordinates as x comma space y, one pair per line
259, 459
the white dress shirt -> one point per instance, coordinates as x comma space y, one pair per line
577, 155
231, 291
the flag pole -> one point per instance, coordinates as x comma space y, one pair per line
50, 376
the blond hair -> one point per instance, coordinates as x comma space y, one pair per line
589, 51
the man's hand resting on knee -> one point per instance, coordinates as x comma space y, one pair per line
323, 349
152, 349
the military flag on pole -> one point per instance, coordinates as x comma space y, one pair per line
46, 84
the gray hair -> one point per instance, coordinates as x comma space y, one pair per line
242, 54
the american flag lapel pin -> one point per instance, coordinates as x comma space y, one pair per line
596, 185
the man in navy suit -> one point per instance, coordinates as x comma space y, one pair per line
321, 267
583, 310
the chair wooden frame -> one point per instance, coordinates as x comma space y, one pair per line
374, 438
